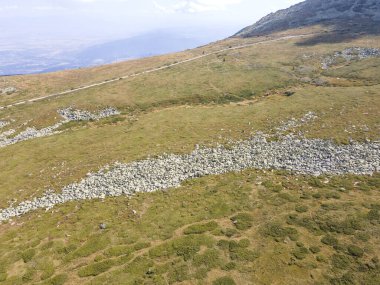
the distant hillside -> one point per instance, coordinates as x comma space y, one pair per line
149, 44
34, 60
365, 13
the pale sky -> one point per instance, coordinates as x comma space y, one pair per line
82, 20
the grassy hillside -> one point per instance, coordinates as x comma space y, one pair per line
255, 227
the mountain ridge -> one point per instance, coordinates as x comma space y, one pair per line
313, 12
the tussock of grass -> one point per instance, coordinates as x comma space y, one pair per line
200, 229
96, 268
242, 221
224, 281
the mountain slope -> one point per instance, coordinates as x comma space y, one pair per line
292, 110
313, 12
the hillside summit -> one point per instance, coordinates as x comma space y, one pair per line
312, 12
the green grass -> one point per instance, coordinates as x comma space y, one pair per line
157, 245
224, 281
238, 228
200, 229
96, 268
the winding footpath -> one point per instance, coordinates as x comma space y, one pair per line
109, 81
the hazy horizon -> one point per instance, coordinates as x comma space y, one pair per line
38, 35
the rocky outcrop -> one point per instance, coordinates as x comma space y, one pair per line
68, 114
350, 54
289, 152
312, 12
8, 90
71, 114
3, 124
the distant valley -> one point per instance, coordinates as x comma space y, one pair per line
53, 58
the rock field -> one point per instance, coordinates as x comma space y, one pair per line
68, 114
71, 114
3, 124
350, 54
292, 153
8, 90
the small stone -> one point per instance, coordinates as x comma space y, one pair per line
102, 226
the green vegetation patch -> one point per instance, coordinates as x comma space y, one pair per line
341, 261
185, 247
94, 244
96, 268
242, 221
28, 254
276, 230
209, 259
355, 250
200, 228
226, 280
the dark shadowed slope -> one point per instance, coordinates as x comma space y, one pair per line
347, 18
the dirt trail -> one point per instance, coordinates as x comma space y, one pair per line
109, 81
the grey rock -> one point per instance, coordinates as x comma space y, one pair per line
68, 114
8, 90
350, 54
3, 124
293, 153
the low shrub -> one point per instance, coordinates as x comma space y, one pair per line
373, 215
66, 249
355, 250
48, 271
278, 231
141, 245
118, 250
28, 254
329, 207
242, 221
301, 208
287, 197
200, 273
244, 243
94, 244
201, 228
140, 266
209, 259
243, 254
332, 195
96, 268
224, 281
229, 266
340, 261
346, 279
300, 252
315, 182
230, 232
314, 249
362, 236
58, 280
321, 258
223, 244
28, 276
271, 186
178, 273
317, 196
329, 240
186, 247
